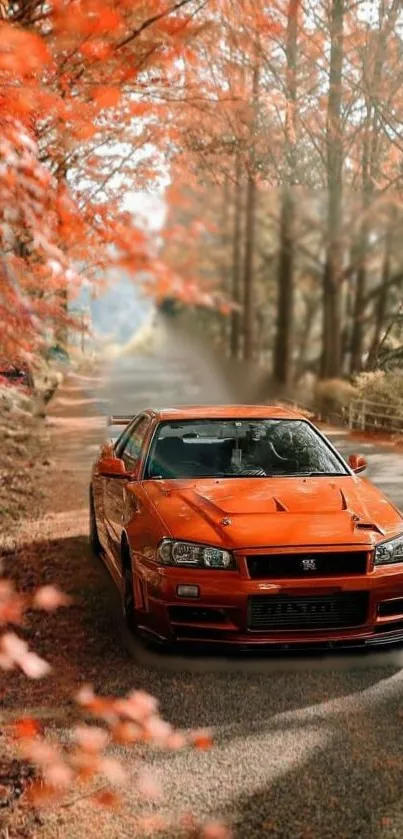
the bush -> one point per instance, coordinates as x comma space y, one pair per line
379, 386
382, 393
332, 397
46, 380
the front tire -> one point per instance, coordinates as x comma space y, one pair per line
95, 544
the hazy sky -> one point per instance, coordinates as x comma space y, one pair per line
149, 205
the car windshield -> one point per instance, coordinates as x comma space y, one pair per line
225, 448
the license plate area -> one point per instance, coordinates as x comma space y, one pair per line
287, 612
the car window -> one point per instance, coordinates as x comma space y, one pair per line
131, 451
240, 448
124, 436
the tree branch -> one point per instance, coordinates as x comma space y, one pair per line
150, 21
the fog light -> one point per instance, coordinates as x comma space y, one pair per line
187, 591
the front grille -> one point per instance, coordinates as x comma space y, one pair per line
327, 564
330, 611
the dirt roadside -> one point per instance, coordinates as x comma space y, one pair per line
82, 643
79, 642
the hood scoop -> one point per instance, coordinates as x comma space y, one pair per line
368, 525
280, 507
358, 523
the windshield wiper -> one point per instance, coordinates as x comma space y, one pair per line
308, 474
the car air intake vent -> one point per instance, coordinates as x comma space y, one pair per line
391, 607
327, 564
196, 614
281, 612
368, 525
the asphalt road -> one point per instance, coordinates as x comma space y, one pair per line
305, 749
162, 370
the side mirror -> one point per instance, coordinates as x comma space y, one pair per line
107, 449
112, 467
357, 463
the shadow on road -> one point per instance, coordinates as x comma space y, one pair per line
322, 750
87, 642
348, 785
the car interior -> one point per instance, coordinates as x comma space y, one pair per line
178, 457
175, 457
252, 451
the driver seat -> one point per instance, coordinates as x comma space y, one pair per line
168, 456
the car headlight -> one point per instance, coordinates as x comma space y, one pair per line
190, 555
389, 552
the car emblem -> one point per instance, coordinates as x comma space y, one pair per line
308, 564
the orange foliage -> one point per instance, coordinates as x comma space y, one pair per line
22, 53
128, 721
202, 740
64, 68
26, 728
107, 97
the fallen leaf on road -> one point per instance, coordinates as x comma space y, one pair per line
148, 786
216, 830
26, 728
107, 798
386, 821
202, 739
49, 598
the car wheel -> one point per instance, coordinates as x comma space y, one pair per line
128, 593
94, 538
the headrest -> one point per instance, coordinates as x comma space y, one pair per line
168, 446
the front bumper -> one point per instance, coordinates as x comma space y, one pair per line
220, 615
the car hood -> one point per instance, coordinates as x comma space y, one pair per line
269, 512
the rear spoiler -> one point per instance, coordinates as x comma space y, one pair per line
119, 419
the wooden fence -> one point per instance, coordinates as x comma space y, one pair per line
360, 414
367, 415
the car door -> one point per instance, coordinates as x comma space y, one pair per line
129, 449
110, 448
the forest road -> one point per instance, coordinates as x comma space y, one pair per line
307, 748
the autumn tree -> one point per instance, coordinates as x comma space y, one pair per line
374, 58
285, 282
83, 89
315, 164
331, 348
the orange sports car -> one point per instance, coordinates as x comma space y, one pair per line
244, 526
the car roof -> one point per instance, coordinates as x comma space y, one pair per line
196, 412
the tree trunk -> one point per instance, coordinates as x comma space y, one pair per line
248, 313
222, 319
357, 332
370, 166
235, 326
285, 274
311, 312
331, 339
285, 277
248, 269
348, 313
381, 305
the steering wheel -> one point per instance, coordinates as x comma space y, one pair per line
276, 454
